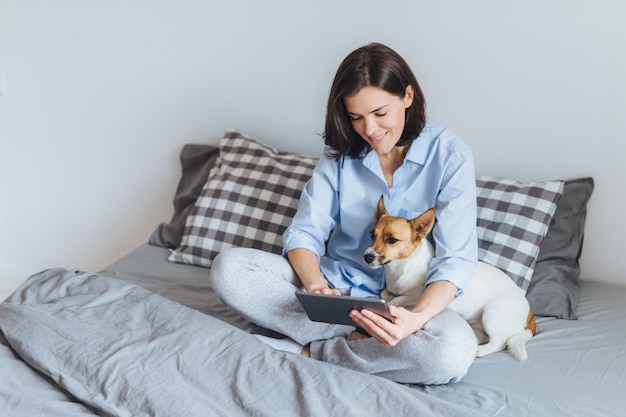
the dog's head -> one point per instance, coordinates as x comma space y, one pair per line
395, 237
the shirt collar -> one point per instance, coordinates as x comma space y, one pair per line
418, 152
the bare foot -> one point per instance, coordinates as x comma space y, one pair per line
306, 350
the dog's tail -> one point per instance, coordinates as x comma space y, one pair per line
516, 344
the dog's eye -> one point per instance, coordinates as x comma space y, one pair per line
373, 235
391, 240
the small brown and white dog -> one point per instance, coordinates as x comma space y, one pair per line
492, 303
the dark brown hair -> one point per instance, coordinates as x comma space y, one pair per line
371, 65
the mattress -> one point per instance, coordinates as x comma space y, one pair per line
575, 367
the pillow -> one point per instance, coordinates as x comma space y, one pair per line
196, 161
248, 201
554, 290
513, 219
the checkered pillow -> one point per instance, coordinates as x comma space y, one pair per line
248, 200
513, 219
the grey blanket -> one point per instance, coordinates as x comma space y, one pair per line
121, 350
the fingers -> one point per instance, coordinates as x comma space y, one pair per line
329, 291
393, 310
378, 327
326, 290
387, 333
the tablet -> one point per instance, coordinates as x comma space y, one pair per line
336, 308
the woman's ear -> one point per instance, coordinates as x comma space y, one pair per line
409, 93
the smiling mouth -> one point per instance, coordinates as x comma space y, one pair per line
378, 138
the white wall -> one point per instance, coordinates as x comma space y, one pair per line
100, 96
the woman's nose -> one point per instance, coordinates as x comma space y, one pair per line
370, 126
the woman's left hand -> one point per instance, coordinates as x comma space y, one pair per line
387, 333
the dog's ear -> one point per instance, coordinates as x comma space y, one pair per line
380, 209
423, 224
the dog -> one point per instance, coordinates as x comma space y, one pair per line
492, 303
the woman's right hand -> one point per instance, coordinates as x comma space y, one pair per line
306, 265
324, 290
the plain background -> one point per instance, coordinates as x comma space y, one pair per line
98, 97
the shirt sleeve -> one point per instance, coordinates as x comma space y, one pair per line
455, 236
317, 210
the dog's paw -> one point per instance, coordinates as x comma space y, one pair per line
387, 295
489, 348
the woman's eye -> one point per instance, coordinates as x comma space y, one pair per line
381, 114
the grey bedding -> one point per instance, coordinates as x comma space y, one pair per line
148, 337
124, 351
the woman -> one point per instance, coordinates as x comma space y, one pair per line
378, 143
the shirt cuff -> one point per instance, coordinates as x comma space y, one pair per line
298, 240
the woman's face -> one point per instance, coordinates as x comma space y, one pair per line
378, 116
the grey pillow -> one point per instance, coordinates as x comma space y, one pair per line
554, 287
196, 161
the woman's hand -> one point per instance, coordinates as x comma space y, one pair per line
432, 302
387, 333
307, 267
324, 290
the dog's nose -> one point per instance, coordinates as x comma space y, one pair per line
369, 258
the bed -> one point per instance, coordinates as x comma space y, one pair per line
148, 336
